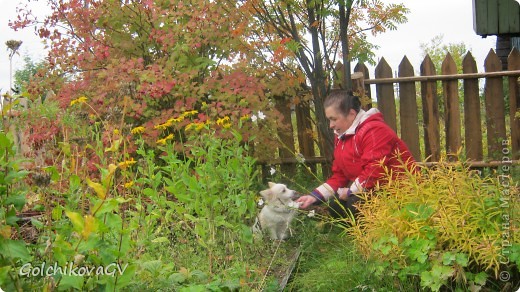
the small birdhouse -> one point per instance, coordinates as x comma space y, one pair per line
496, 17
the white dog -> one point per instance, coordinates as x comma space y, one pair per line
278, 212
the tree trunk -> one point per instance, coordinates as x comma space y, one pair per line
344, 13
319, 89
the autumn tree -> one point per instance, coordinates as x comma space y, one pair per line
23, 76
437, 50
167, 57
321, 33
148, 61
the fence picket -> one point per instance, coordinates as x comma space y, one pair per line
514, 103
472, 120
451, 107
385, 94
360, 67
408, 110
305, 131
495, 109
430, 112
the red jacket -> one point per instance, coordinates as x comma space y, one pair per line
362, 151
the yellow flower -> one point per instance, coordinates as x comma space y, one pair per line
116, 132
189, 113
129, 184
163, 126
196, 126
244, 118
137, 130
176, 120
223, 121
189, 126
200, 126
163, 141
82, 99
126, 163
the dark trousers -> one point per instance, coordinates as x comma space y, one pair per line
340, 209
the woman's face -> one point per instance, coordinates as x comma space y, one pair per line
338, 121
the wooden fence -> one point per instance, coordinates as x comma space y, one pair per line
484, 125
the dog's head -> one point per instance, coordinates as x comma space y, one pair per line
278, 191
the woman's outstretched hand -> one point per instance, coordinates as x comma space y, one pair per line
306, 201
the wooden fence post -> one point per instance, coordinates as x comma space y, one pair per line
452, 108
305, 131
514, 103
472, 120
495, 109
360, 67
285, 132
430, 112
408, 110
385, 94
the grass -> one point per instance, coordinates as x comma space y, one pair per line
329, 262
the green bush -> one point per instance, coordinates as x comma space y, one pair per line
12, 201
448, 226
162, 219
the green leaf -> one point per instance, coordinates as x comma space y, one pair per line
11, 217
15, 175
5, 142
65, 147
57, 213
106, 206
36, 223
178, 278
76, 219
72, 281
200, 275
121, 200
448, 258
100, 190
74, 182
514, 253
442, 272
4, 276
386, 249
462, 259
160, 240
194, 288
14, 249
481, 278
125, 274
18, 201
149, 192
55, 175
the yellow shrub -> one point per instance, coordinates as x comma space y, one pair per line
449, 222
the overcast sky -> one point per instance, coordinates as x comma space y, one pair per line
451, 18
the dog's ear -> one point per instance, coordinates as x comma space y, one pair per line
266, 194
271, 184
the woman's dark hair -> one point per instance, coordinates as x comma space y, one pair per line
343, 101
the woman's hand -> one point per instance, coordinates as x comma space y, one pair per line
306, 201
344, 193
